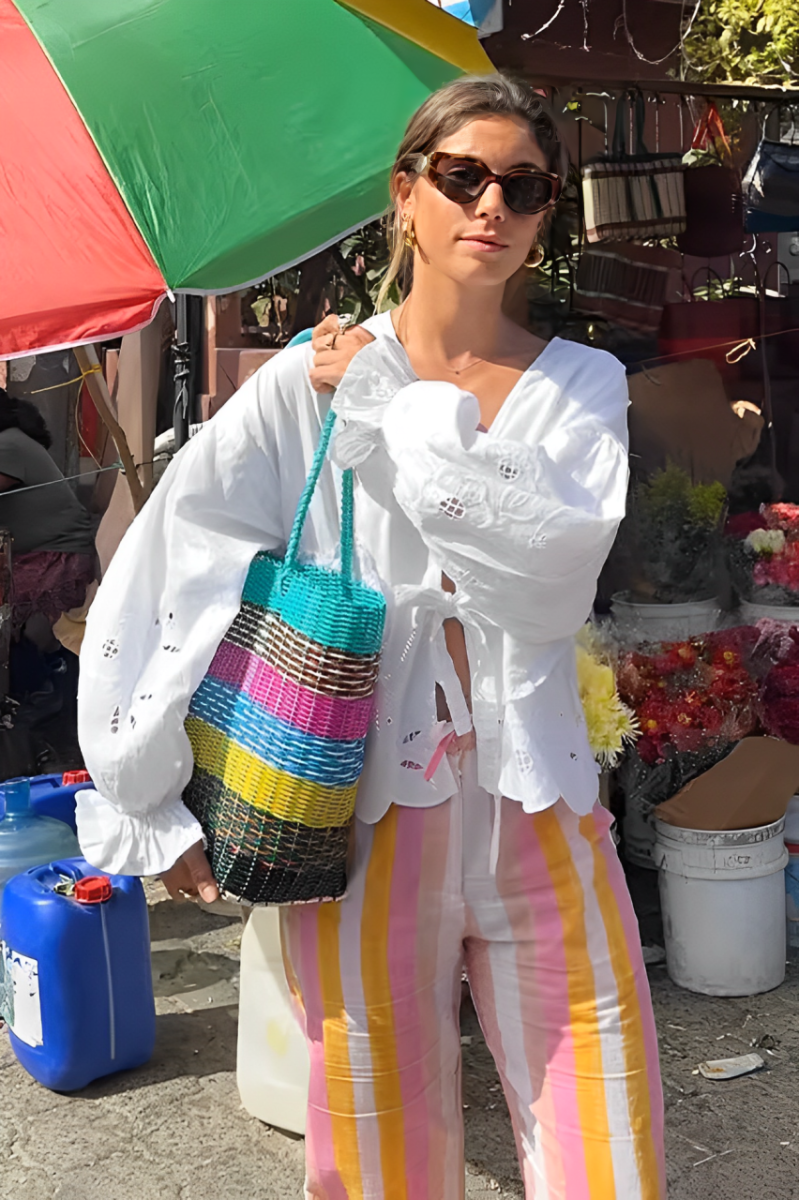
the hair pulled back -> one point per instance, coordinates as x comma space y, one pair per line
23, 415
444, 113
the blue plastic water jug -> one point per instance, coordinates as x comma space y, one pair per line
26, 839
54, 795
77, 990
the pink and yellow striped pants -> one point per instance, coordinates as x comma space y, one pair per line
550, 945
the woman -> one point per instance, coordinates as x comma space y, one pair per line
486, 515
51, 532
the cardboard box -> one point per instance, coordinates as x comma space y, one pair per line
750, 787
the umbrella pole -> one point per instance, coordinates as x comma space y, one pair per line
182, 354
89, 364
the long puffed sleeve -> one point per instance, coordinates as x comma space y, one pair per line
522, 530
170, 594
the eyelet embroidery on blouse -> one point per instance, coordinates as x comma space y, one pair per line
115, 720
524, 762
407, 648
169, 647
110, 648
410, 765
410, 736
508, 470
538, 541
453, 508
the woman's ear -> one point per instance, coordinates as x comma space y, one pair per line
403, 186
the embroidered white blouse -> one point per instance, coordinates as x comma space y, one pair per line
521, 519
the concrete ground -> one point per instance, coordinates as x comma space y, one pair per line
175, 1129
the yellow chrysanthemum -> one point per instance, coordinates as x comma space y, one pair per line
611, 724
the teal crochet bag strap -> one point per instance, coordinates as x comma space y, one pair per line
292, 549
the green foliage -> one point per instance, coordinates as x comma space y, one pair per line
744, 41
355, 270
706, 505
675, 526
669, 498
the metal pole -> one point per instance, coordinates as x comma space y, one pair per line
182, 352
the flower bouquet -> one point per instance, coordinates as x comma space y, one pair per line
778, 699
694, 700
611, 724
763, 554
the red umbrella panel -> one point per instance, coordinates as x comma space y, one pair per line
75, 263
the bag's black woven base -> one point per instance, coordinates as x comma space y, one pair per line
255, 882
260, 859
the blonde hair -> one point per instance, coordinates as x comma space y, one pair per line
446, 111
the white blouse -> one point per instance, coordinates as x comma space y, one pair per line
521, 519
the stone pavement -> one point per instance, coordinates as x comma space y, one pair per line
175, 1129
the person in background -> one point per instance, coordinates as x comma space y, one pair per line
52, 554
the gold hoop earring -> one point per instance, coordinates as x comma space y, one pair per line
409, 234
539, 252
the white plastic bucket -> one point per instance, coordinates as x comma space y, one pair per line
792, 896
751, 613
723, 900
664, 622
273, 1064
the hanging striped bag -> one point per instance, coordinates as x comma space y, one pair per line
628, 196
278, 725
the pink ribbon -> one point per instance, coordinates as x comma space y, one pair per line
439, 752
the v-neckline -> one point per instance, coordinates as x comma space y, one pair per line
388, 327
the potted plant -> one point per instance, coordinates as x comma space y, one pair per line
673, 534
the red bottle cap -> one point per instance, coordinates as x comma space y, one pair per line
93, 889
75, 777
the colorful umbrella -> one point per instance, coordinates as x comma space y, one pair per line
154, 146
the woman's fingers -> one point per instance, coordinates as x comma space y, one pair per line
324, 331
191, 876
331, 361
200, 871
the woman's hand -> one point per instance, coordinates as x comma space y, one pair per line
334, 350
191, 876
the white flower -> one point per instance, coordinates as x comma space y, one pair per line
766, 541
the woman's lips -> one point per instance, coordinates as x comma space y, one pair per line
484, 245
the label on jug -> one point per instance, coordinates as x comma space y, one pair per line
19, 995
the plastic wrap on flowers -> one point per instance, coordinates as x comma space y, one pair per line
694, 700
778, 706
762, 551
610, 723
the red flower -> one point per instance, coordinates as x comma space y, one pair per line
784, 517
779, 702
676, 656
648, 750
741, 525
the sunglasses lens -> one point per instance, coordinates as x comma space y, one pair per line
460, 179
528, 193
463, 180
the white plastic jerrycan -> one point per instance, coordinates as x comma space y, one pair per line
272, 1066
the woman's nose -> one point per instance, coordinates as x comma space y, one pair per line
491, 203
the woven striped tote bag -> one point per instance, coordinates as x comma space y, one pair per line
278, 725
631, 197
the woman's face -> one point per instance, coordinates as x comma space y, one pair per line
485, 242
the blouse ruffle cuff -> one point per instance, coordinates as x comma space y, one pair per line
133, 843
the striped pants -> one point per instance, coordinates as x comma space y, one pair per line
550, 945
